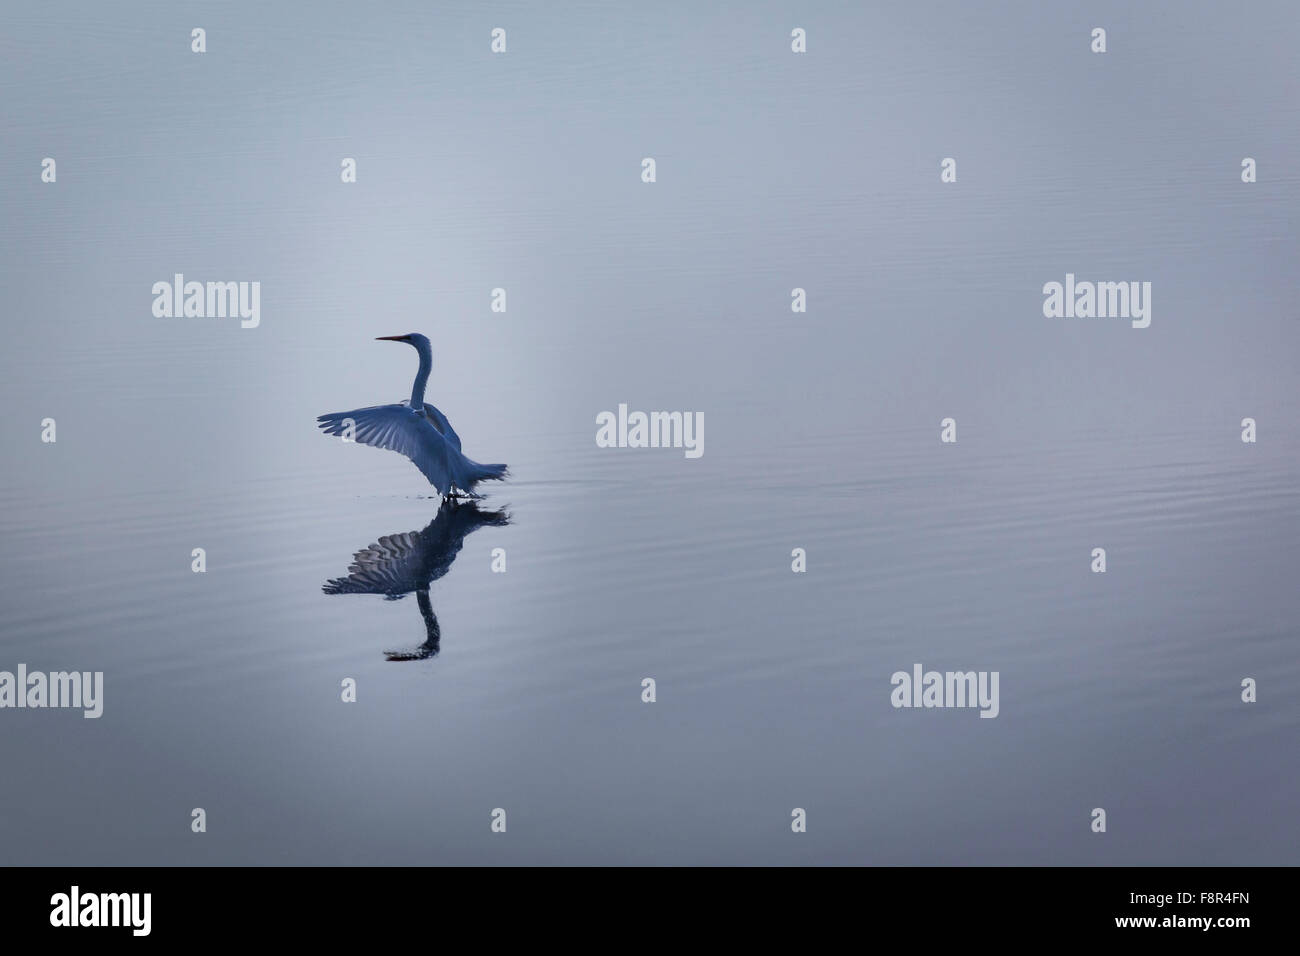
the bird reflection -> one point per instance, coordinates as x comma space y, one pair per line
398, 564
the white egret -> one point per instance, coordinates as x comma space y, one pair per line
417, 430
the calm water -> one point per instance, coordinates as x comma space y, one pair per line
822, 432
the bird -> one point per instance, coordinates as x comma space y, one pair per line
417, 430
398, 564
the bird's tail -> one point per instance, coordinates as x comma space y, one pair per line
490, 472
466, 473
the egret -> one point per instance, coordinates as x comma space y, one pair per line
417, 430
398, 564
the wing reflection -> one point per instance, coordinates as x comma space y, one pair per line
398, 564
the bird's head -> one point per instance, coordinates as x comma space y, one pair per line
410, 338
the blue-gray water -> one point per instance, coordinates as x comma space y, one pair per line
775, 170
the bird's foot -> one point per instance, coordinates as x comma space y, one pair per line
417, 654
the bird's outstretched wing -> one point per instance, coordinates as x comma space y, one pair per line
440, 422
401, 429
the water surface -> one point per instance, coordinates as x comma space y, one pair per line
822, 432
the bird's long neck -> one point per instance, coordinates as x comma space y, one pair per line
422, 376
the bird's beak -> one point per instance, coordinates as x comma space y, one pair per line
390, 338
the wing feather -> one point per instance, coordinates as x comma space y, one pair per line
401, 429
440, 422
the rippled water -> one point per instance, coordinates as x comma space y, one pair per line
223, 688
